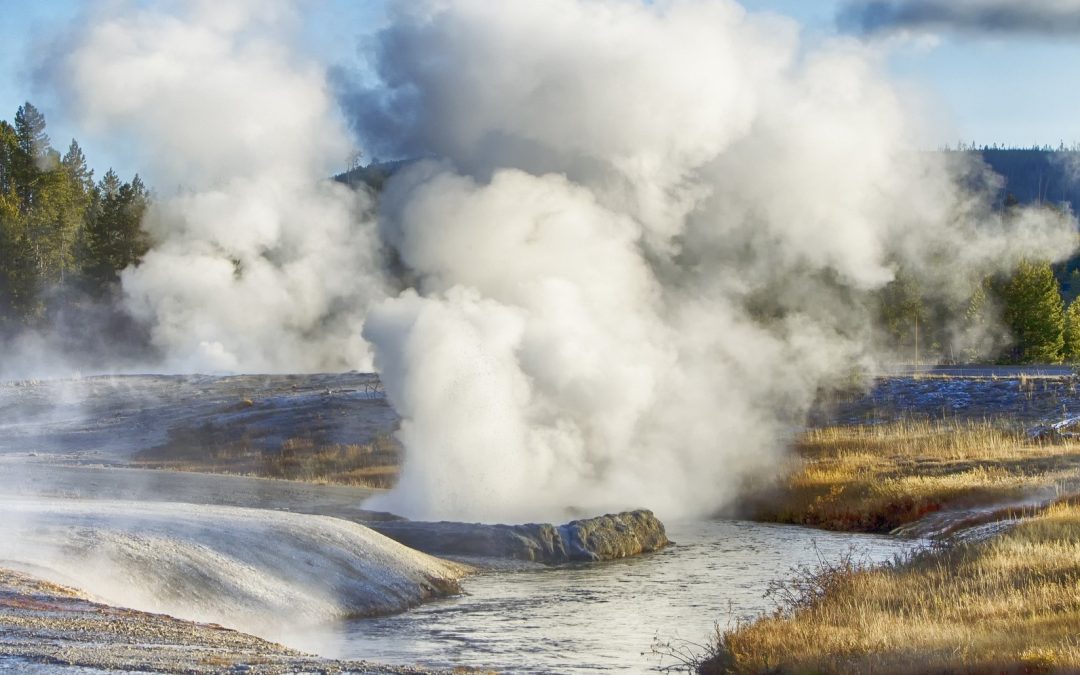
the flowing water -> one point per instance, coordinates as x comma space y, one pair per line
604, 617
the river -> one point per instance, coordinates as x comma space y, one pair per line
566, 619
601, 617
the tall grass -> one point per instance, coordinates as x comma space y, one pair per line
876, 478
1009, 604
374, 464
303, 458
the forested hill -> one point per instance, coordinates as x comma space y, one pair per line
1038, 175
1032, 175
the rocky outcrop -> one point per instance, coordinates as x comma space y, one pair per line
592, 539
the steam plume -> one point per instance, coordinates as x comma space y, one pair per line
646, 240
649, 244
259, 264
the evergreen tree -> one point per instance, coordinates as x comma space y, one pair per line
113, 238
902, 309
9, 146
979, 320
53, 202
74, 162
30, 128
57, 227
1034, 312
1071, 350
109, 185
18, 277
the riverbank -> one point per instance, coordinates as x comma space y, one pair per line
1007, 604
882, 477
50, 624
996, 593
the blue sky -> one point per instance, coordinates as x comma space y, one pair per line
1015, 90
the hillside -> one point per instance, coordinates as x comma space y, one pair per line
1037, 175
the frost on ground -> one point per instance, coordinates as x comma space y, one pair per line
111, 418
265, 572
1020, 398
46, 623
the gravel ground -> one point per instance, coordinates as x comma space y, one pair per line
49, 625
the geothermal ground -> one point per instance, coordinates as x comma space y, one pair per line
47, 626
290, 562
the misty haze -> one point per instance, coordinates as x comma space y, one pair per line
539, 336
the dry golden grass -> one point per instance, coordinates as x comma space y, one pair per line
374, 464
1009, 604
876, 478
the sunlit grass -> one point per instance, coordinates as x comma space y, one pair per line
1010, 604
876, 478
375, 464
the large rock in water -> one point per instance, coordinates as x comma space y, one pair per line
593, 539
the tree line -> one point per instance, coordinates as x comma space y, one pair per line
64, 237
1042, 321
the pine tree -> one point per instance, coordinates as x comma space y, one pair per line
30, 128
901, 310
979, 318
9, 146
74, 162
113, 238
1071, 351
1035, 314
110, 184
61, 234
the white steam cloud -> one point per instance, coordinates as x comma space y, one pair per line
258, 265
645, 242
649, 244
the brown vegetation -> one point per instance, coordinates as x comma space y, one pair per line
1009, 604
876, 478
304, 458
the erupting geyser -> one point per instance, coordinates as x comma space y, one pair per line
644, 239
649, 243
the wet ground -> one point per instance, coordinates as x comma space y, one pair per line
1024, 399
39, 478
110, 418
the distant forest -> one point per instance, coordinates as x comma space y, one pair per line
1035, 175
1042, 176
